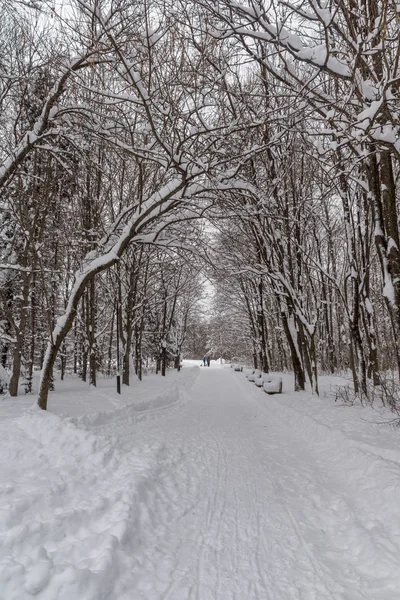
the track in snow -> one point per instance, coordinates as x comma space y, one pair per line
241, 508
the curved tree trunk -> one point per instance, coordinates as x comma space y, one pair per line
158, 204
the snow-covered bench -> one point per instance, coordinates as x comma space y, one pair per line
272, 384
260, 380
254, 375
248, 372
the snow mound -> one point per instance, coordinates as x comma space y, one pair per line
59, 541
75, 501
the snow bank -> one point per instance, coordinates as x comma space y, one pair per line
75, 502
59, 541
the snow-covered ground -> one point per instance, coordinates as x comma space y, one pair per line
197, 486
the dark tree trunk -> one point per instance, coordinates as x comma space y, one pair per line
16, 369
299, 377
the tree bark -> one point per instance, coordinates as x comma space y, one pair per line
299, 377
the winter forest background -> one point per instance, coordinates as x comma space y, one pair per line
154, 151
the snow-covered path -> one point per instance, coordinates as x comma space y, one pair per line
198, 486
229, 531
243, 508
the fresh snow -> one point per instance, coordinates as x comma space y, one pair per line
197, 486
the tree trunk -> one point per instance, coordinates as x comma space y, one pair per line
16, 369
299, 377
262, 330
314, 364
110, 345
387, 239
305, 350
63, 360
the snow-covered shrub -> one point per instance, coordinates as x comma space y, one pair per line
387, 393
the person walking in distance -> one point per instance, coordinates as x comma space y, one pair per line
208, 360
204, 361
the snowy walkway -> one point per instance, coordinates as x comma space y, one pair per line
234, 512
246, 509
222, 493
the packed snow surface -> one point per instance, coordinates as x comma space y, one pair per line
197, 486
